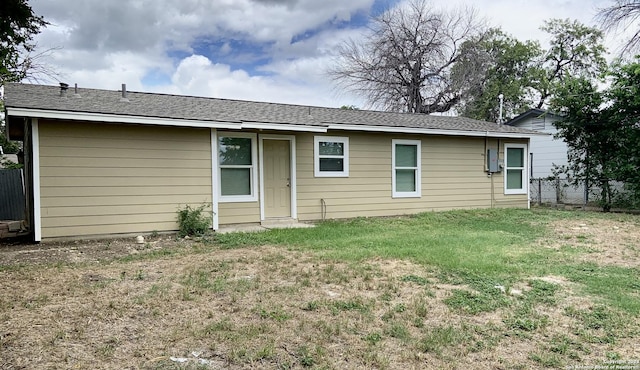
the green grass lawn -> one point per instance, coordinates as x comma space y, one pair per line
479, 247
477, 289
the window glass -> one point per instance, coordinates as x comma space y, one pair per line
331, 156
514, 179
405, 180
406, 168
234, 151
406, 155
330, 148
515, 175
235, 181
237, 169
331, 164
515, 157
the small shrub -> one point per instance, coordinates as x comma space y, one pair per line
193, 221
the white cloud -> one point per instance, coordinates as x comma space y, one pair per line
523, 18
197, 75
106, 43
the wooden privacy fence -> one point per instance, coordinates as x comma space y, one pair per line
12, 200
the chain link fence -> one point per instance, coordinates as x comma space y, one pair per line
557, 191
561, 191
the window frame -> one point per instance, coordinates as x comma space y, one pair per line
523, 169
418, 169
317, 156
253, 197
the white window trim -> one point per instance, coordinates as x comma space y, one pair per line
316, 156
254, 169
525, 172
35, 152
405, 194
215, 184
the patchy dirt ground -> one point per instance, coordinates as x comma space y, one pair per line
606, 242
175, 304
21, 252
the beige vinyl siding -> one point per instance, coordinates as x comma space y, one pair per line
453, 176
115, 178
238, 213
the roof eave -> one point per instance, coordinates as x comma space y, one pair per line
117, 118
430, 131
322, 128
282, 127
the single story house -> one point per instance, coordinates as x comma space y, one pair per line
101, 162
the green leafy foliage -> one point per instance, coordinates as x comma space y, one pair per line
18, 25
507, 67
601, 131
8, 147
194, 221
9, 165
525, 74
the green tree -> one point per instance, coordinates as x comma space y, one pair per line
624, 110
602, 131
526, 75
505, 64
8, 147
18, 25
575, 50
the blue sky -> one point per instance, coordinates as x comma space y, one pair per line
266, 50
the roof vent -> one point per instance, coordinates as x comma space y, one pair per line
63, 89
75, 91
124, 94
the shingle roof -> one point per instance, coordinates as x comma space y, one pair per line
140, 104
531, 113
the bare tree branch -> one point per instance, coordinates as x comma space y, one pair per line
620, 17
33, 66
405, 63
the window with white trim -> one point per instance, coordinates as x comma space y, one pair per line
237, 163
331, 156
406, 172
515, 169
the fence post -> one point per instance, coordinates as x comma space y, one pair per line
539, 191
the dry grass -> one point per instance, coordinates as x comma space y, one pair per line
272, 307
607, 242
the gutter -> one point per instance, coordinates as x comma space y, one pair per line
322, 127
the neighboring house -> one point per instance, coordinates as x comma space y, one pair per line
546, 152
116, 162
